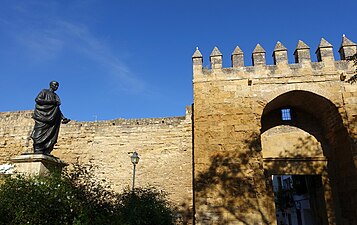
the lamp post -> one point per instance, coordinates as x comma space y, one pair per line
134, 159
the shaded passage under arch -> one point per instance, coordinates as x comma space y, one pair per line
320, 119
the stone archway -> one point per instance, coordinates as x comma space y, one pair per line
313, 141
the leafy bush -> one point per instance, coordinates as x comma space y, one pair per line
98, 202
76, 197
146, 206
37, 200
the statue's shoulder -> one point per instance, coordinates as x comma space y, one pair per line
45, 91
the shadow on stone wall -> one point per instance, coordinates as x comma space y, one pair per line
306, 158
237, 185
227, 191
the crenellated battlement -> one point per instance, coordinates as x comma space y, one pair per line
325, 65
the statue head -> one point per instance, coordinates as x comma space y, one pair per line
54, 85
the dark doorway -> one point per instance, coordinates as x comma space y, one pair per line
299, 200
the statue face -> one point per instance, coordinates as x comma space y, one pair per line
54, 85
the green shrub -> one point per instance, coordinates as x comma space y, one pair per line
37, 200
77, 198
98, 202
146, 206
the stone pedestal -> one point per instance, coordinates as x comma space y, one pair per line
37, 164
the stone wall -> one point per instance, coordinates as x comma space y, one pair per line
240, 139
164, 146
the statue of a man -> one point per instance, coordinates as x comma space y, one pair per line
48, 118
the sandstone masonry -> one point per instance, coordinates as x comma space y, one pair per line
164, 145
217, 160
240, 138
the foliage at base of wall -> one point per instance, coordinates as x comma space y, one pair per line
77, 198
145, 206
353, 79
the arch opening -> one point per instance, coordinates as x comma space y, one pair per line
313, 141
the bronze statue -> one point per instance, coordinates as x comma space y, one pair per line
48, 118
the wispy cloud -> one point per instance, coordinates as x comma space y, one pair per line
45, 36
99, 51
40, 44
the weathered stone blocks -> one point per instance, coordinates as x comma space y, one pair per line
237, 119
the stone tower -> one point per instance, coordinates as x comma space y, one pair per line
252, 122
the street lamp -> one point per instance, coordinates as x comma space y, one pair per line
134, 159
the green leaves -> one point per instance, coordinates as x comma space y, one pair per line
36, 200
146, 206
353, 79
77, 198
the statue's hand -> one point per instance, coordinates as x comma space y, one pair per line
65, 120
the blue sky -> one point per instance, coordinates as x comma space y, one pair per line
132, 59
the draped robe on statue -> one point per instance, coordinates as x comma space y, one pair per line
47, 118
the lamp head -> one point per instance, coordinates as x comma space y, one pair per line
135, 158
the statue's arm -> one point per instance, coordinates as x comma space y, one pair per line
64, 119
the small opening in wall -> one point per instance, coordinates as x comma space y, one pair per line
286, 114
250, 82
